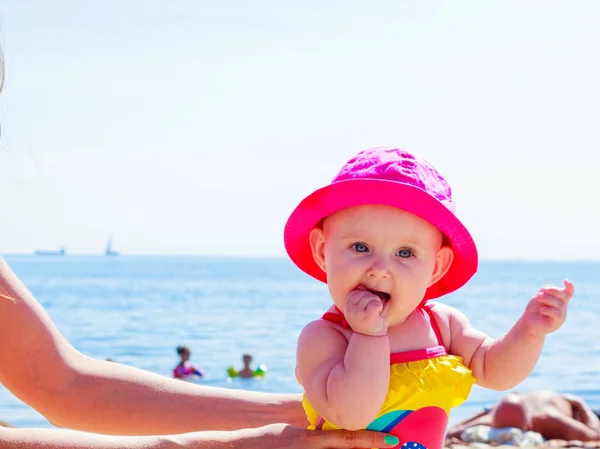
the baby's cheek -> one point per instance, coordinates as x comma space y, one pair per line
338, 296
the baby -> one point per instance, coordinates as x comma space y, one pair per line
384, 237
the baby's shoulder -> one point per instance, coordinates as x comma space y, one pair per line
447, 313
444, 316
320, 340
442, 312
318, 325
320, 329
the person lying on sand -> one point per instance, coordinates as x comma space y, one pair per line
553, 415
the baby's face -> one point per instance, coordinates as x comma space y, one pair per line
391, 252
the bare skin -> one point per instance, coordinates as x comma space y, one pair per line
78, 392
75, 391
553, 415
273, 436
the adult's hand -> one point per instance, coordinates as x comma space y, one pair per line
280, 436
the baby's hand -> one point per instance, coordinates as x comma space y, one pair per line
547, 310
363, 313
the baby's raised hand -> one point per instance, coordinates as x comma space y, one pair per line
547, 310
363, 313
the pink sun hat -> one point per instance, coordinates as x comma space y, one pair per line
392, 177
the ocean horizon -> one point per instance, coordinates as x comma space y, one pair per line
32, 253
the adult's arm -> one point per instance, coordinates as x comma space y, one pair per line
69, 439
584, 412
275, 436
559, 426
42, 369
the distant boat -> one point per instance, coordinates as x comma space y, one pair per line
60, 252
109, 251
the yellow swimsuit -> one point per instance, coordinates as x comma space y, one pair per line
424, 385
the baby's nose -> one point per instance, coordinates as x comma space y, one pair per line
379, 269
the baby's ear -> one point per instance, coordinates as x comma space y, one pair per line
444, 259
317, 245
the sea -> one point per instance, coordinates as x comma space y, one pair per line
135, 310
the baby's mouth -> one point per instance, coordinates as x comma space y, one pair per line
382, 295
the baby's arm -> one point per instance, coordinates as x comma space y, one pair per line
503, 363
345, 381
496, 364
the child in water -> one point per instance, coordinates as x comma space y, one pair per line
185, 369
384, 237
246, 372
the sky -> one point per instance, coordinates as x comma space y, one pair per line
195, 127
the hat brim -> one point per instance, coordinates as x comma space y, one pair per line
357, 192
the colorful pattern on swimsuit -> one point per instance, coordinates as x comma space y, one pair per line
424, 385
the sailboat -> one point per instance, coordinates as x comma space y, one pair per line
109, 251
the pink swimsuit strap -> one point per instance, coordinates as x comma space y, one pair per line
407, 356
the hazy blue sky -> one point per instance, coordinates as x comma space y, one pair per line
189, 127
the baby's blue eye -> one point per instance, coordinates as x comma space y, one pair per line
360, 248
405, 253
